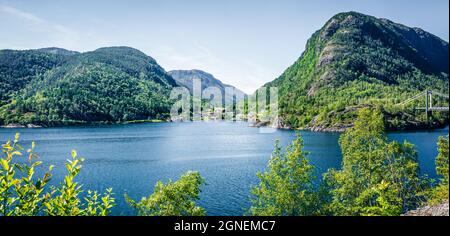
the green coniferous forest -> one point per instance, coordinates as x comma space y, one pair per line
107, 85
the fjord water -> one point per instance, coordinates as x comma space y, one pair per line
132, 158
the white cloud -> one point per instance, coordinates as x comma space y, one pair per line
195, 57
18, 13
55, 34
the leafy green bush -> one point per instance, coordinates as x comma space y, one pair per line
440, 193
172, 199
286, 188
21, 194
377, 177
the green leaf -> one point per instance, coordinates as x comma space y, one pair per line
74, 154
5, 164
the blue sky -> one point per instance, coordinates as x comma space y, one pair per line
243, 43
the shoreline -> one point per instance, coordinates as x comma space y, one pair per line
75, 124
311, 129
344, 127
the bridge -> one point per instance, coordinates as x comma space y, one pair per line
428, 94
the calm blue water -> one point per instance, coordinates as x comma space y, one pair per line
132, 158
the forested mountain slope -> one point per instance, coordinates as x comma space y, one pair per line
55, 86
18, 68
357, 61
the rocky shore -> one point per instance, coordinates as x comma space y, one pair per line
339, 128
13, 126
435, 210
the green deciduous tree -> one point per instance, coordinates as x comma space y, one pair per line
378, 177
172, 199
287, 187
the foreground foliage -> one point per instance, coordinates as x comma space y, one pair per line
440, 192
21, 194
172, 199
287, 186
377, 177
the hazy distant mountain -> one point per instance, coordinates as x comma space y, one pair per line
185, 78
357, 61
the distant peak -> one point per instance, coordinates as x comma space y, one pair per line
344, 15
123, 51
192, 71
118, 48
58, 51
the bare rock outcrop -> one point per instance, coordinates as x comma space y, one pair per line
435, 210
